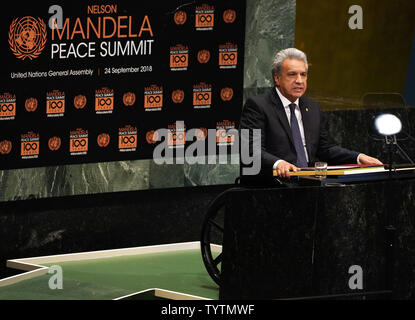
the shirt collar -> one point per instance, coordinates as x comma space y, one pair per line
284, 100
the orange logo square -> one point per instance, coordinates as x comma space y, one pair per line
8, 109
202, 98
127, 141
153, 100
78, 144
223, 137
179, 60
228, 58
55, 106
176, 138
104, 103
29, 148
205, 20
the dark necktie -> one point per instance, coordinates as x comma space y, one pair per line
298, 142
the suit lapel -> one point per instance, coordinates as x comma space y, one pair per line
280, 112
307, 124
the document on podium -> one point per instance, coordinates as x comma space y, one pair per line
351, 169
356, 173
339, 170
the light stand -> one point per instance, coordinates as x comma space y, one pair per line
390, 141
393, 146
389, 125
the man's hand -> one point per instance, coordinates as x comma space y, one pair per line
284, 167
364, 159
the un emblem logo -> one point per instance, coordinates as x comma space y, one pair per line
27, 37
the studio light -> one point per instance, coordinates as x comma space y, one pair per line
388, 124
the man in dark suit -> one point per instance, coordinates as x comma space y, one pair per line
293, 129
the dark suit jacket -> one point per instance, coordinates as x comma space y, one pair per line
267, 113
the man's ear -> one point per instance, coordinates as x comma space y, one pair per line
276, 80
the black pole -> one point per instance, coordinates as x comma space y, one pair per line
390, 230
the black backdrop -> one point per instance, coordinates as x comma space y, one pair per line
32, 133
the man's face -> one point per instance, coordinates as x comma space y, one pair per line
293, 80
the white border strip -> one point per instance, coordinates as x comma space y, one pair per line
107, 253
167, 294
24, 276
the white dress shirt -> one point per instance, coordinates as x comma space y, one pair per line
286, 104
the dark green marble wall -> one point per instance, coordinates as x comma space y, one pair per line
269, 26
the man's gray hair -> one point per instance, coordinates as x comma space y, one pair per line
290, 53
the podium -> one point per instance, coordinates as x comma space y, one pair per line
313, 240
